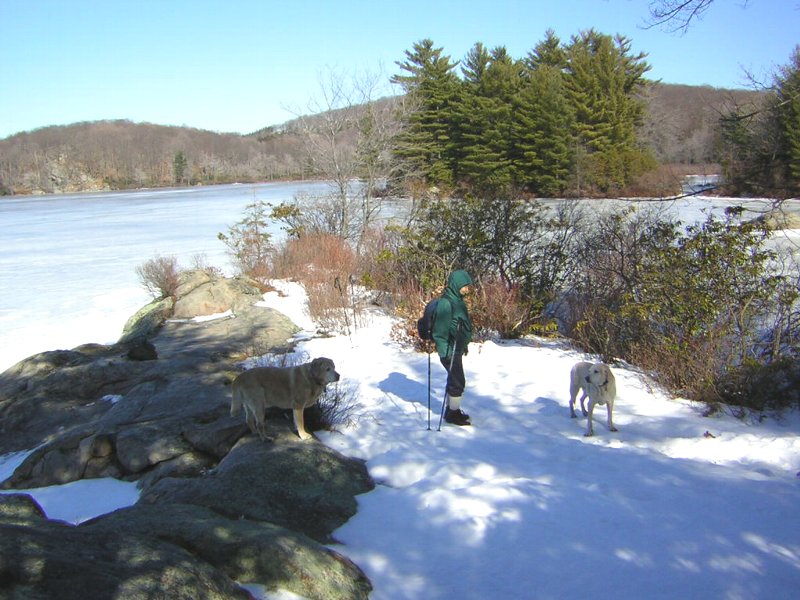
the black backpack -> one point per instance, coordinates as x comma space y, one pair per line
426, 322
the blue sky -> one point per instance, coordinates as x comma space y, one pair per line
238, 65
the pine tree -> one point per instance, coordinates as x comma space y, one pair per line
179, 163
548, 52
603, 79
249, 241
788, 103
425, 147
491, 81
543, 122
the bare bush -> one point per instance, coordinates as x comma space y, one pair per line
200, 263
326, 265
159, 276
501, 308
337, 407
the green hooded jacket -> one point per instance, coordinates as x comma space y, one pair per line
452, 326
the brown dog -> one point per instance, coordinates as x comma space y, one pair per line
295, 387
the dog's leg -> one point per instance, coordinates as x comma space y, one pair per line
261, 422
609, 408
583, 406
236, 404
589, 428
249, 418
572, 396
299, 424
261, 428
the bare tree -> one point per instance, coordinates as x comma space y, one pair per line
677, 15
347, 133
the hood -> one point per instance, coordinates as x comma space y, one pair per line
457, 280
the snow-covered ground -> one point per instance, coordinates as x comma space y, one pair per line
521, 504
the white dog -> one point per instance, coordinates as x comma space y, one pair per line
295, 387
597, 382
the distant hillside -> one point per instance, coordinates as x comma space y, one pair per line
682, 120
105, 155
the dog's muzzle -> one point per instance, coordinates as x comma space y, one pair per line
604, 384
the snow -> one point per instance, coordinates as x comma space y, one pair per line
521, 504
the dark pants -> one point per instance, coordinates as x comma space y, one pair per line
455, 376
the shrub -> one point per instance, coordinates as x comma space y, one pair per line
688, 306
761, 387
200, 263
159, 276
249, 242
499, 307
326, 265
336, 407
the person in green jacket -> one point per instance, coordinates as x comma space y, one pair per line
452, 333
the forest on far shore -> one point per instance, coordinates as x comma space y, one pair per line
680, 127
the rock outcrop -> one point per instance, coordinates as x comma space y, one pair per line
217, 506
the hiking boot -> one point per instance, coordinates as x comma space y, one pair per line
456, 417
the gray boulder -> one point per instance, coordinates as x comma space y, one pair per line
246, 551
303, 486
174, 551
50, 559
147, 321
210, 296
217, 505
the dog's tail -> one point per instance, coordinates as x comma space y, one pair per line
236, 402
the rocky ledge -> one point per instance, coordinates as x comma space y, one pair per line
218, 507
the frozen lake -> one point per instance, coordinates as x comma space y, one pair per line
71, 258
67, 262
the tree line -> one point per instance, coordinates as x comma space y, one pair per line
112, 155
677, 126
573, 119
561, 120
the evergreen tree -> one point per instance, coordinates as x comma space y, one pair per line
249, 241
425, 146
543, 122
179, 164
762, 142
548, 52
788, 105
473, 69
491, 81
603, 80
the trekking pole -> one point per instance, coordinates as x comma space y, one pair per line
429, 386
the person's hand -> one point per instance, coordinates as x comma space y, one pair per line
466, 351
